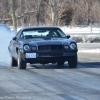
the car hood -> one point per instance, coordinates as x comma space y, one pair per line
52, 41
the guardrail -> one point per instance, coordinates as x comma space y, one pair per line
81, 30
82, 34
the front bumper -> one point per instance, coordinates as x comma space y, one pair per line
49, 59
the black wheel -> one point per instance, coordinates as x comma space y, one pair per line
21, 62
73, 63
60, 63
13, 62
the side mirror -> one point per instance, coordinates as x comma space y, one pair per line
14, 38
68, 36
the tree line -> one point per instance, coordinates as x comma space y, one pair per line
49, 12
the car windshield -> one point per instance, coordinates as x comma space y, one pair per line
42, 33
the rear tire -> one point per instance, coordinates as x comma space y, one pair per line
21, 62
13, 62
73, 63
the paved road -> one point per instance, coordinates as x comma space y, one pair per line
51, 82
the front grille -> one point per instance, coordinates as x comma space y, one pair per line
50, 54
50, 47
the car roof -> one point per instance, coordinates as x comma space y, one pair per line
31, 27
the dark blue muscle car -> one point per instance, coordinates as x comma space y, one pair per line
42, 45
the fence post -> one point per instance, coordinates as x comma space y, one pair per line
99, 27
91, 27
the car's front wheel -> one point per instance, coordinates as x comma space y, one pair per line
73, 63
13, 62
21, 62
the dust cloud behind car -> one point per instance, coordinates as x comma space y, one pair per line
5, 36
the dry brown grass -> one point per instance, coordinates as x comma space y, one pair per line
86, 39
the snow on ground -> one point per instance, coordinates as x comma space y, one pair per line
90, 51
80, 30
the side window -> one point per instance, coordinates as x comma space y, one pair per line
18, 34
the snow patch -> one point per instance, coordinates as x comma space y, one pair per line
90, 51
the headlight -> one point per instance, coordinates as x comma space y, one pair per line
26, 47
73, 46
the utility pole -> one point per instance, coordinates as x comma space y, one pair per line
12, 3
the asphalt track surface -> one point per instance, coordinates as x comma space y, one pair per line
51, 82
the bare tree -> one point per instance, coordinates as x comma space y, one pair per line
49, 12
54, 12
12, 3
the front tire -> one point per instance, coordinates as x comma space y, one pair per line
21, 62
73, 63
13, 62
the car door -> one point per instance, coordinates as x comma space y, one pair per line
15, 44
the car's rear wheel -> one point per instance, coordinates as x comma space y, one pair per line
73, 63
60, 63
13, 62
21, 62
